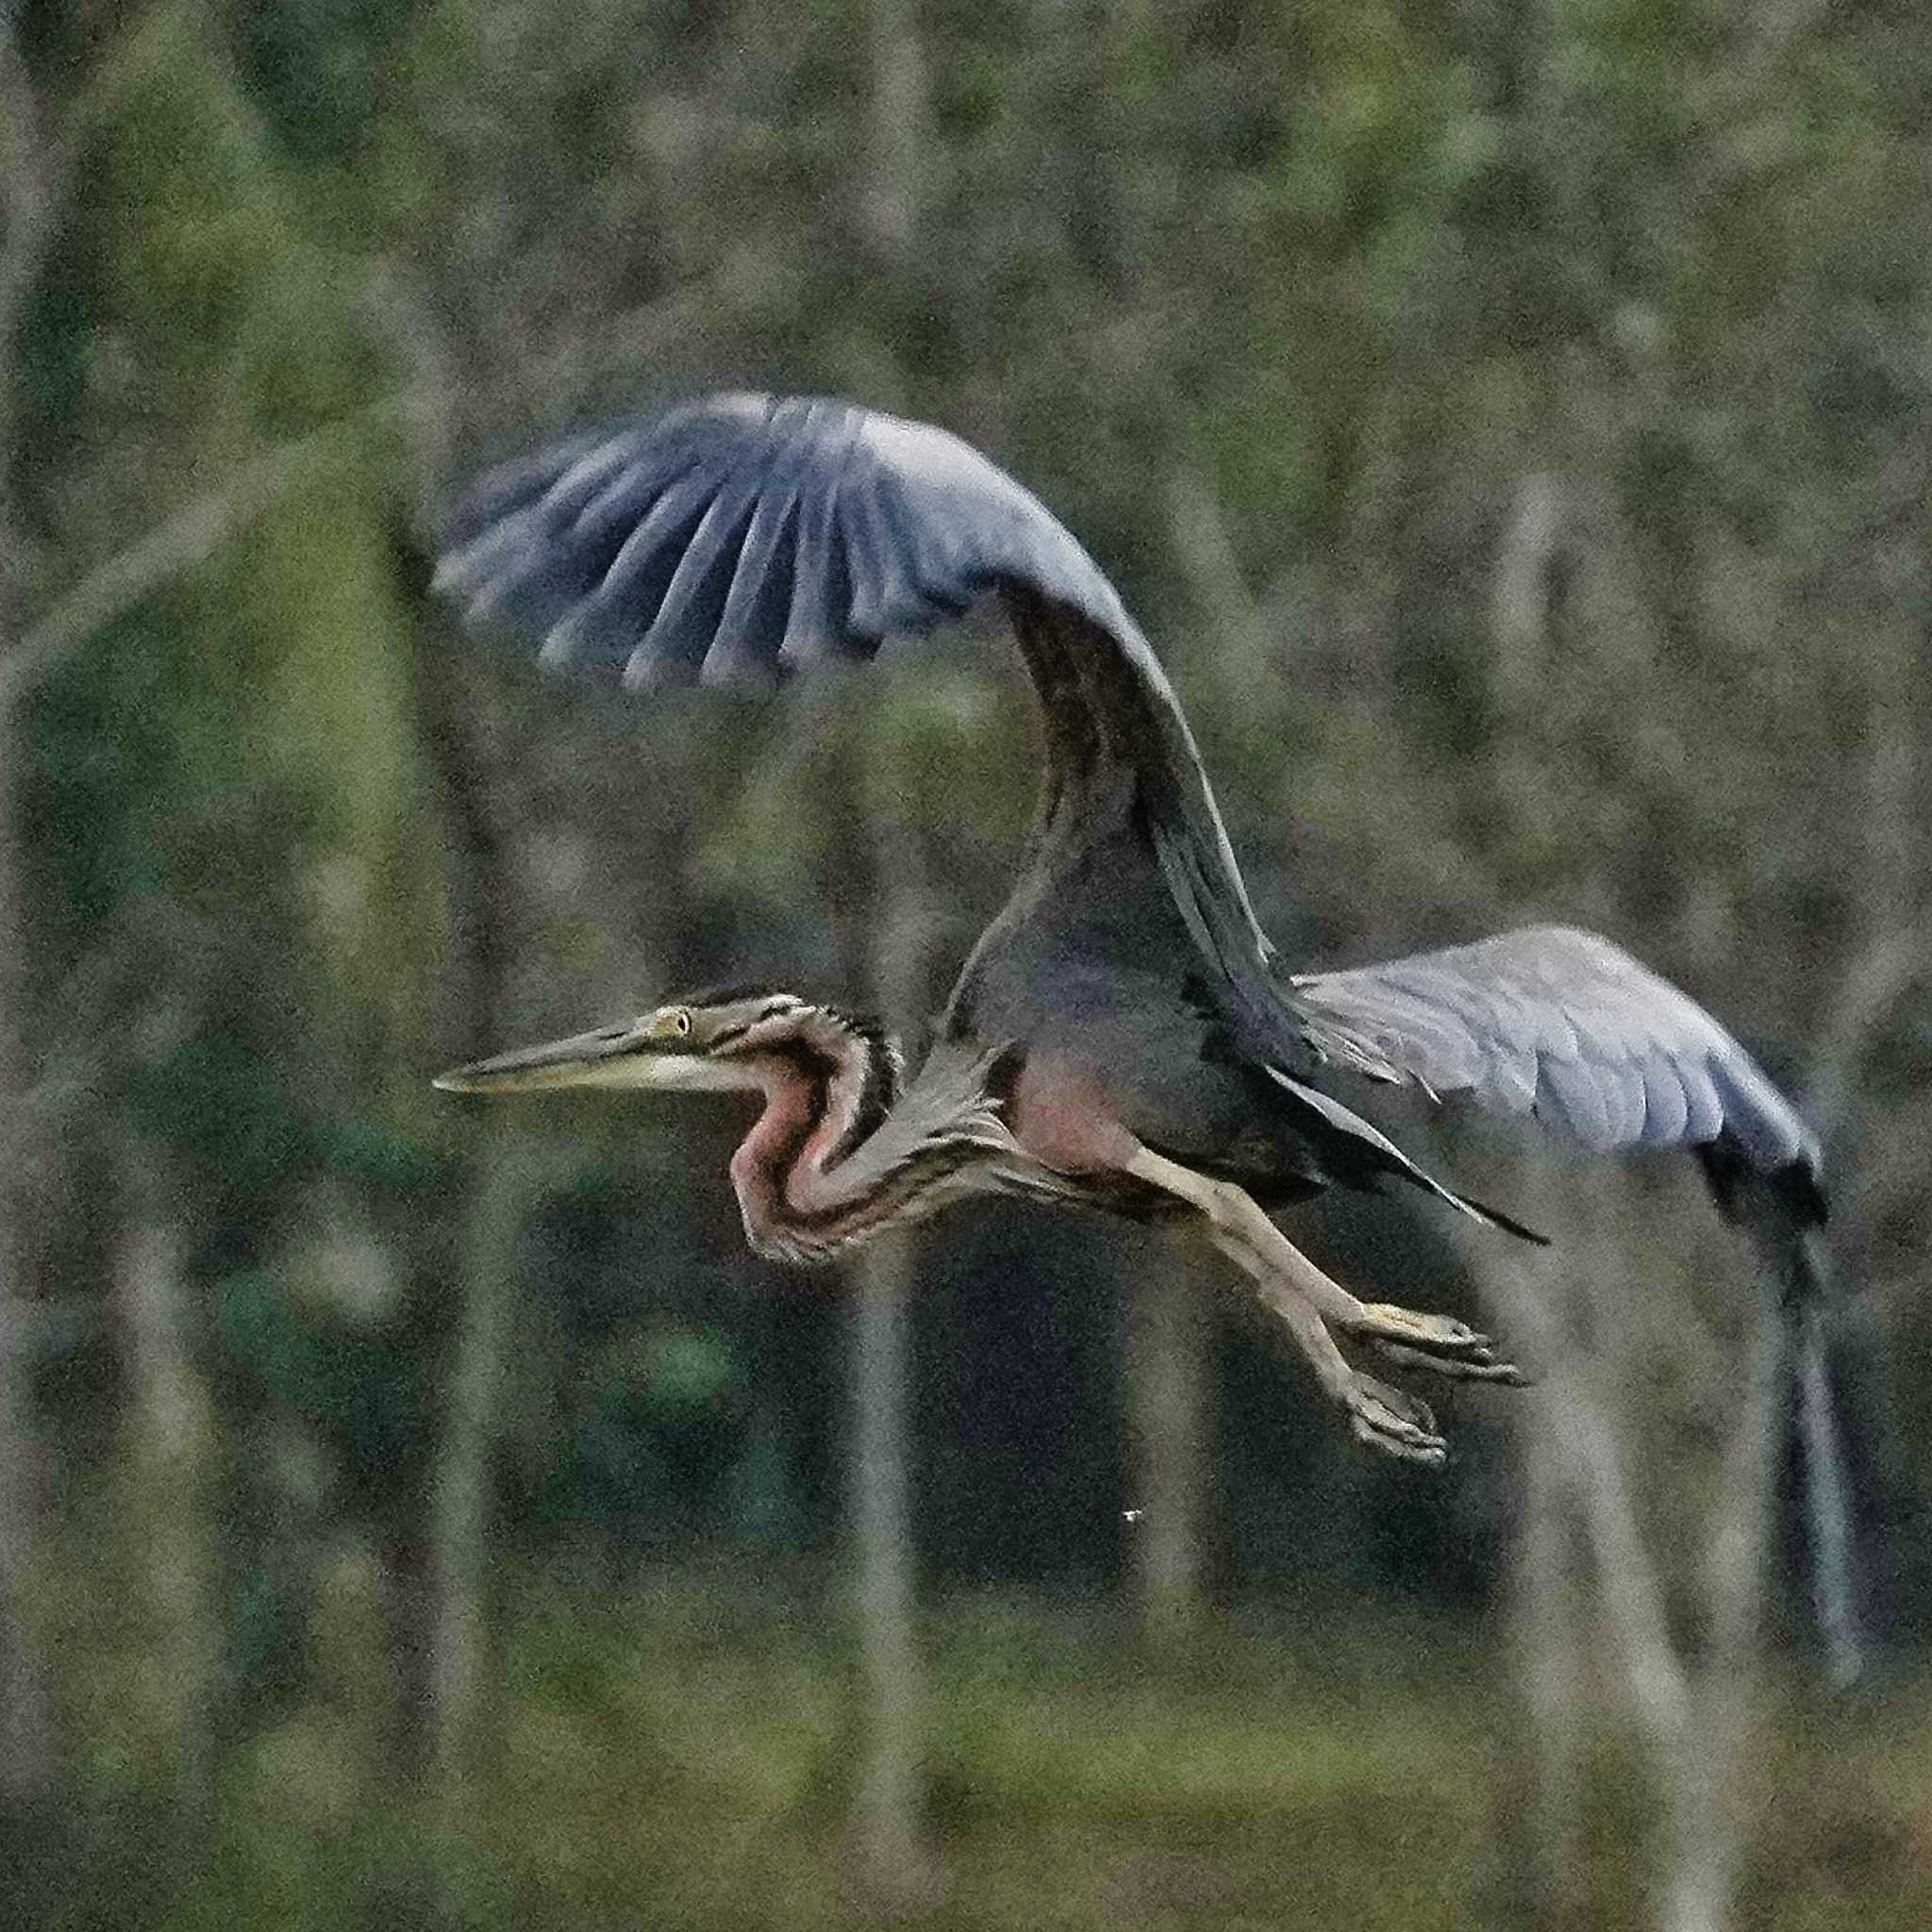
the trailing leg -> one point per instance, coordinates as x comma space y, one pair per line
1416, 1340
1386, 1418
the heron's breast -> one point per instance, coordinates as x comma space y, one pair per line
1064, 1114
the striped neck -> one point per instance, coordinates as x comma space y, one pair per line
834, 1156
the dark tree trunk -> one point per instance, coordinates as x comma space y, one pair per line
31, 186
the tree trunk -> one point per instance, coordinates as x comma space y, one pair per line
1171, 1449
886, 1835
1576, 1450
31, 187
167, 1439
1546, 1597
891, 1864
461, 1513
500, 1176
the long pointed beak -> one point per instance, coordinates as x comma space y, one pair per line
627, 1055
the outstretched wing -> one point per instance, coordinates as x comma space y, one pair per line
1565, 1026
1569, 1027
742, 537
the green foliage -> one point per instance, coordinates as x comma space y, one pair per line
223, 1103
57, 346
189, 212
666, 1446
132, 748
312, 66
379, 1152
219, 1101
366, 1389
679, 1755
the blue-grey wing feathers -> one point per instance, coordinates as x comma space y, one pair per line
745, 535
1564, 1025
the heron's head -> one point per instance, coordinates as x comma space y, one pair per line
716, 1042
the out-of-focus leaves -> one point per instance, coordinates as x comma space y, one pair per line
186, 199
258, 1629
687, 1377
661, 1439
131, 746
366, 1389
216, 1100
312, 64
762, 1502
375, 1150
58, 344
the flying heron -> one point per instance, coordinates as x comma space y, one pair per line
1124, 1033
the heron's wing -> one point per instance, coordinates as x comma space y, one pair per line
1569, 1027
741, 537
1565, 1026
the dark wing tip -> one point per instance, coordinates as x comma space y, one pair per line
1796, 1185
741, 536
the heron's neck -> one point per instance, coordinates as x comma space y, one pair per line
832, 1158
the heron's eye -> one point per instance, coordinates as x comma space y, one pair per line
680, 1022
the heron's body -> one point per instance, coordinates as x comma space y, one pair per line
1124, 1033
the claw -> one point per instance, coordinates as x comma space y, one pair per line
1474, 1369
1395, 1422
1437, 1343
1431, 1452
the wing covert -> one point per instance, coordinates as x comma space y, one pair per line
1565, 1026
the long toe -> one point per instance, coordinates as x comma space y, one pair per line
1429, 1334
1395, 1422
1437, 1342
1485, 1366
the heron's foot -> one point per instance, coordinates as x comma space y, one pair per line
1393, 1422
1437, 1342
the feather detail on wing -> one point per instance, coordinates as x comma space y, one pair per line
1390, 1158
745, 535
1564, 1025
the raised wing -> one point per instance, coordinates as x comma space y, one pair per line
745, 536
741, 537
1565, 1026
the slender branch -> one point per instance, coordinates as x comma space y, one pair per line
197, 530
188, 538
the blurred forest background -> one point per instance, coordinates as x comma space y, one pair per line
1513, 419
